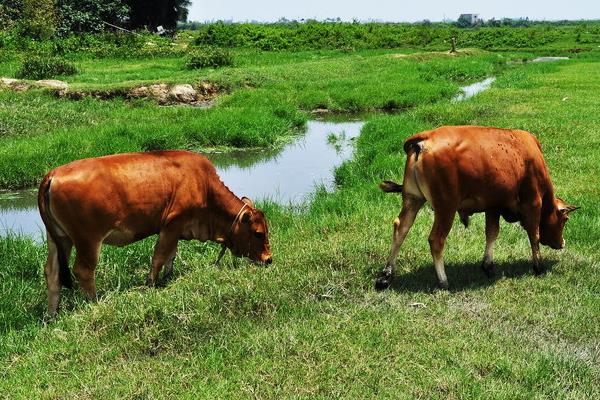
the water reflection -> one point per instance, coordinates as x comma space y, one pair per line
290, 175
473, 89
18, 214
286, 175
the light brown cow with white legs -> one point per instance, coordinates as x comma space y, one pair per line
470, 169
124, 198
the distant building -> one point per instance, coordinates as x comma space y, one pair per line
470, 19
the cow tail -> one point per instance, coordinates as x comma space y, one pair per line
390, 187
64, 273
413, 145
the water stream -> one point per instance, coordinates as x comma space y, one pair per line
286, 175
18, 213
473, 89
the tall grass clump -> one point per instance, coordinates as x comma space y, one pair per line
209, 57
45, 67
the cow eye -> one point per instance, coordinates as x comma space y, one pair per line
259, 235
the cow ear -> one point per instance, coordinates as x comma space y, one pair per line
245, 218
566, 209
248, 201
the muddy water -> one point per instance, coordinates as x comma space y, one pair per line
287, 175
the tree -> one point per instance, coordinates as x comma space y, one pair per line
157, 13
494, 22
76, 16
463, 21
424, 34
183, 8
38, 18
10, 12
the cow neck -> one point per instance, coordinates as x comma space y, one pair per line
227, 207
548, 204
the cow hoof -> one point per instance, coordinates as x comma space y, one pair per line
48, 317
443, 285
150, 282
383, 282
488, 269
167, 275
538, 270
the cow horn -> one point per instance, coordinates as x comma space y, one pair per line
248, 201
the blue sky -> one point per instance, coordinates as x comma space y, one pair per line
390, 10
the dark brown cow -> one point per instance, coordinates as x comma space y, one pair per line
470, 169
124, 198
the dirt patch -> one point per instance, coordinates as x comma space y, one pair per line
13, 84
428, 55
201, 95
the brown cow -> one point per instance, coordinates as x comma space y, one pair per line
470, 169
123, 198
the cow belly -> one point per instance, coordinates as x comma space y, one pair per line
480, 204
117, 237
472, 205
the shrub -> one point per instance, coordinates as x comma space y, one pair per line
155, 143
116, 45
45, 67
213, 57
314, 35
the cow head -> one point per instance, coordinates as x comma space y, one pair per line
553, 224
250, 235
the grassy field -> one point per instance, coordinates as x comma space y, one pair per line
266, 100
311, 325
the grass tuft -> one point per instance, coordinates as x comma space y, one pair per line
45, 67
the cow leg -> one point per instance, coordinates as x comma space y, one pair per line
410, 207
85, 266
492, 228
164, 251
168, 272
51, 272
531, 223
442, 224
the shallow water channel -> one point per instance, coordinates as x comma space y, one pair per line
287, 175
474, 88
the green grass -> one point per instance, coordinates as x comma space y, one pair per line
262, 105
311, 325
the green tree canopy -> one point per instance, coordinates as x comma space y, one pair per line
77, 16
40, 18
